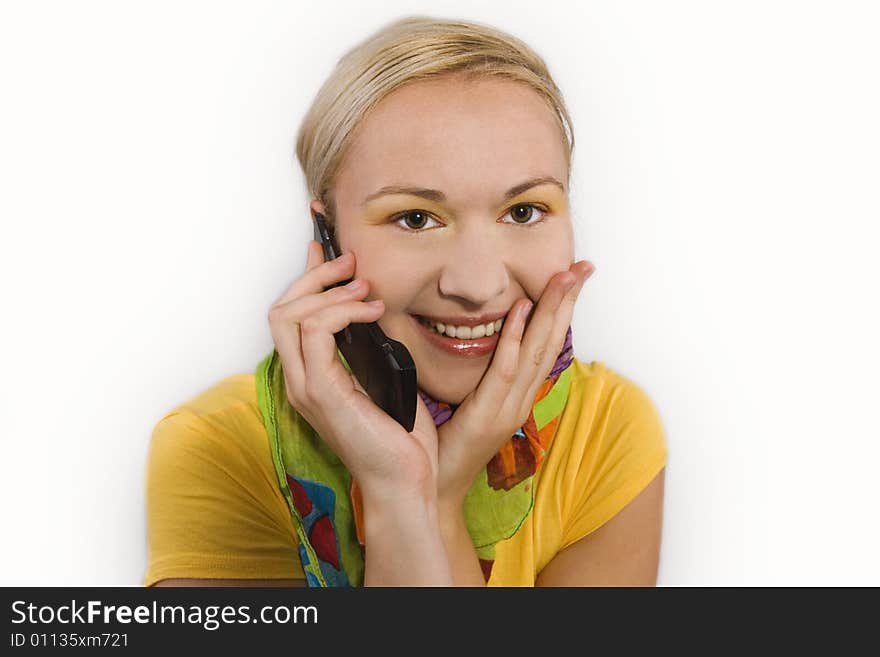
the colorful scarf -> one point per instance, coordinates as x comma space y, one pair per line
325, 502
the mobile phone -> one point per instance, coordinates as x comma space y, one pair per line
384, 367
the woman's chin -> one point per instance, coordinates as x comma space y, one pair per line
449, 394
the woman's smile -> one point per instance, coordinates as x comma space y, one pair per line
473, 341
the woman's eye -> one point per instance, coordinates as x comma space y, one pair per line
524, 218
414, 220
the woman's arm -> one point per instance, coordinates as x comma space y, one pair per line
463, 560
625, 551
403, 542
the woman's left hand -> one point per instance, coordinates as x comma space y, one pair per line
488, 417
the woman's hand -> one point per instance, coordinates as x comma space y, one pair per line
381, 455
492, 413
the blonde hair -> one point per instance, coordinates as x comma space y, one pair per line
410, 49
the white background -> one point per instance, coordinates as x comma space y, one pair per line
725, 184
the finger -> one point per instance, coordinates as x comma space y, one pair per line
536, 343
425, 432
320, 276
583, 270
323, 370
314, 255
564, 311
503, 370
546, 352
285, 321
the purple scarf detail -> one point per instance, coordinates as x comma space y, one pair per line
441, 412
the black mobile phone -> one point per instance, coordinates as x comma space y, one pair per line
384, 367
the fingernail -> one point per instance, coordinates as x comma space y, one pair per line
375, 303
356, 283
526, 309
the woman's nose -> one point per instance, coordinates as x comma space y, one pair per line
474, 270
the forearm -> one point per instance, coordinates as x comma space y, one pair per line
462, 556
404, 546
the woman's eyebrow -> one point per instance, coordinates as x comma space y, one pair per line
438, 197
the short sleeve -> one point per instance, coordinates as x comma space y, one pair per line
626, 449
213, 509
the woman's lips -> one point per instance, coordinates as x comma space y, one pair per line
471, 348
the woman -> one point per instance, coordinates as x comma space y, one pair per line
438, 152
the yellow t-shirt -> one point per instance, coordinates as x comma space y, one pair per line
215, 510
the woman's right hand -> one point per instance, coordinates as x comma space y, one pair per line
380, 454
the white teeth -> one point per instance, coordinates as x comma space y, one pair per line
466, 332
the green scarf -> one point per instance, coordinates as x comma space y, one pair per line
324, 500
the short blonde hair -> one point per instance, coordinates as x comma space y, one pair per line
410, 49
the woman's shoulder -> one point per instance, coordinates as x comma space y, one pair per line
595, 385
212, 451
221, 422
609, 418
594, 369
214, 509
612, 443
228, 395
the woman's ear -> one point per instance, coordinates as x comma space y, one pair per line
318, 206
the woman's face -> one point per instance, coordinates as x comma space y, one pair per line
467, 249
